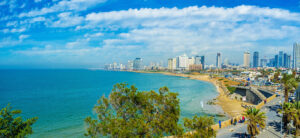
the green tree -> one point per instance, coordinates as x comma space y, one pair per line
292, 112
199, 127
296, 117
11, 127
255, 118
128, 112
276, 76
289, 84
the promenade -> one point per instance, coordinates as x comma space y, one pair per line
273, 123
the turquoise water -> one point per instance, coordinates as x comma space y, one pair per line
63, 98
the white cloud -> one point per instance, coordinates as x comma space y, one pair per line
23, 5
37, 1
64, 5
38, 19
22, 37
166, 32
14, 30
67, 19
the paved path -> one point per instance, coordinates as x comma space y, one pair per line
272, 129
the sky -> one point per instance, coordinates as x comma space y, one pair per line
92, 33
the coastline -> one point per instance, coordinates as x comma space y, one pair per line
230, 106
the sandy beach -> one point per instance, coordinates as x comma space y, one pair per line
231, 107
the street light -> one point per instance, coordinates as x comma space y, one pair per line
281, 119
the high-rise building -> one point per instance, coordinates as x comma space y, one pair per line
200, 60
130, 65
218, 60
280, 59
296, 56
246, 59
170, 64
182, 61
203, 62
174, 64
191, 61
197, 60
255, 59
138, 64
271, 62
263, 62
286, 60
276, 61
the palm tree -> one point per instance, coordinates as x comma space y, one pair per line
289, 83
287, 111
296, 117
255, 121
292, 112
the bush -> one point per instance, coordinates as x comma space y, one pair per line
231, 89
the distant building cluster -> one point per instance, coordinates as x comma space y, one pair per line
184, 63
136, 64
197, 63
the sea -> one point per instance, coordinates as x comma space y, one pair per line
63, 98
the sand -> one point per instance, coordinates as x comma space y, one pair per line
231, 107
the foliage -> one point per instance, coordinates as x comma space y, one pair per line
255, 118
199, 127
11, 127
231, 89
287, 109
129, 112
289, 84
276, 76
292, 112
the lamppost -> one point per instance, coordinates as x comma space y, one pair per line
281, 119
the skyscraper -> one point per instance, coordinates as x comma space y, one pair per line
197, 60
263, 62
276, 62
203, 62
288, 61
280, 59
246, 59
200, 60
255, 59
296, 56
170, 64
218, 60
130, 65
138, 64
182, 61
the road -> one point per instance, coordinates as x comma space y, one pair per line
273, 123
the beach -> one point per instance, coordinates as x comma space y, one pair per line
230, 106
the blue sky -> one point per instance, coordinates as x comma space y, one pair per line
91, 33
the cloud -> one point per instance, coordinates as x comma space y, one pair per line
14, 30
67, 19
161, 33
22, 37
212, 13
64, 5
37, 1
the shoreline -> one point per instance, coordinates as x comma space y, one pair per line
231, 107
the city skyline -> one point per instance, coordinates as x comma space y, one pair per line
92, 33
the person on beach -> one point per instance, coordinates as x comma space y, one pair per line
220, 123
235, 121
231, 121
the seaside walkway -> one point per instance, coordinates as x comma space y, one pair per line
273, 123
